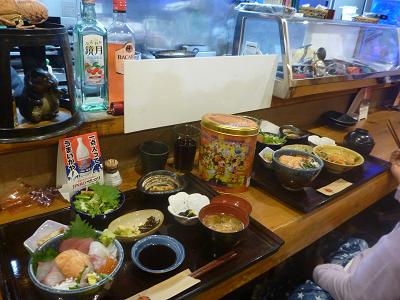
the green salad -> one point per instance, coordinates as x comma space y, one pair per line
272, 139
99, 199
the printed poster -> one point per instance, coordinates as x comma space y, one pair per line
79, 163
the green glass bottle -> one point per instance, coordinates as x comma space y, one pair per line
91, 60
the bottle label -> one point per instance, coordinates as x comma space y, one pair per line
127, 52
119, 5
93, 59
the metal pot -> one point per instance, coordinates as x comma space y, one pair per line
175, 53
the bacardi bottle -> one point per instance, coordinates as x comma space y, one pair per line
121, 46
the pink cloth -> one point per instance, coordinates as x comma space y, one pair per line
374, 274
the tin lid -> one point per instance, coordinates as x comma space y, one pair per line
230, 124
119, 5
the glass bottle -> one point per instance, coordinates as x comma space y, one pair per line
121, 46
91, 60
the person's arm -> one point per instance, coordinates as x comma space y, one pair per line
332, 278
395, 168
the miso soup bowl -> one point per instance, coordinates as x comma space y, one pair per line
224, 240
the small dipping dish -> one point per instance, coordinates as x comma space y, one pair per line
161, 182
293, 134
157, 254
182, 203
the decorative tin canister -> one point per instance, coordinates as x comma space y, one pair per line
227, 146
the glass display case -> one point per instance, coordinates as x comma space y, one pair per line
318, 52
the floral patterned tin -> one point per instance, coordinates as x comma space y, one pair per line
227, 146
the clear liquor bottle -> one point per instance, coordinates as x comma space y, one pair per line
91, 60
121, 46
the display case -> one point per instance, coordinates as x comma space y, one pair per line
316, 56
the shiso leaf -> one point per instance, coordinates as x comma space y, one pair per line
81, 229
47, 254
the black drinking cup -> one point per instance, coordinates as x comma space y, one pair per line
154, 155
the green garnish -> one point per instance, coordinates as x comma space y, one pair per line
47, 254
187, 213
107, 237
80, 229
272, 139
268, 156
100, 200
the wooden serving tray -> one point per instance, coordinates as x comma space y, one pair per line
258, 242
309, 198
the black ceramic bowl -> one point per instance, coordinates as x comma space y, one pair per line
360, 141
291, 178
161, 183
224, 240
338, 120
101, 218
293, 134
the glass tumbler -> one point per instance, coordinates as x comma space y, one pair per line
185, 145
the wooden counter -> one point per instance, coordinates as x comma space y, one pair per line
297, 229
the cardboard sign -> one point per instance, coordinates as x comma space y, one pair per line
79, 163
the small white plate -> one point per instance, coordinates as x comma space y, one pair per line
44, 230
182, 201
268, 164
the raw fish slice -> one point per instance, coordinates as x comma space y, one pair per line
97, 261
72, 262
112, 249
97, 248
79, 244
54, 277
43, 269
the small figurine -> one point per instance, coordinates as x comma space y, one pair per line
15, 12
40, 98
318, 62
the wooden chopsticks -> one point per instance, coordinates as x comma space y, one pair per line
213, 264
393, 133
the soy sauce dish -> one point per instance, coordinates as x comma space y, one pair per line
158, 254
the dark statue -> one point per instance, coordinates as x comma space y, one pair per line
40, 99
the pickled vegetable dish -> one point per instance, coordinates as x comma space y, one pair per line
128, 231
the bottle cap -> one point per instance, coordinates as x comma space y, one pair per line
89, 1
111, 165
119, 5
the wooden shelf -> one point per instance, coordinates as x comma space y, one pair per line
101, 122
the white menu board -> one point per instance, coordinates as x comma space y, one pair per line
162, 92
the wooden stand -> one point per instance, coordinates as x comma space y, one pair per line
32, 43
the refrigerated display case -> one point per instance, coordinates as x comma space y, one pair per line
323, 53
